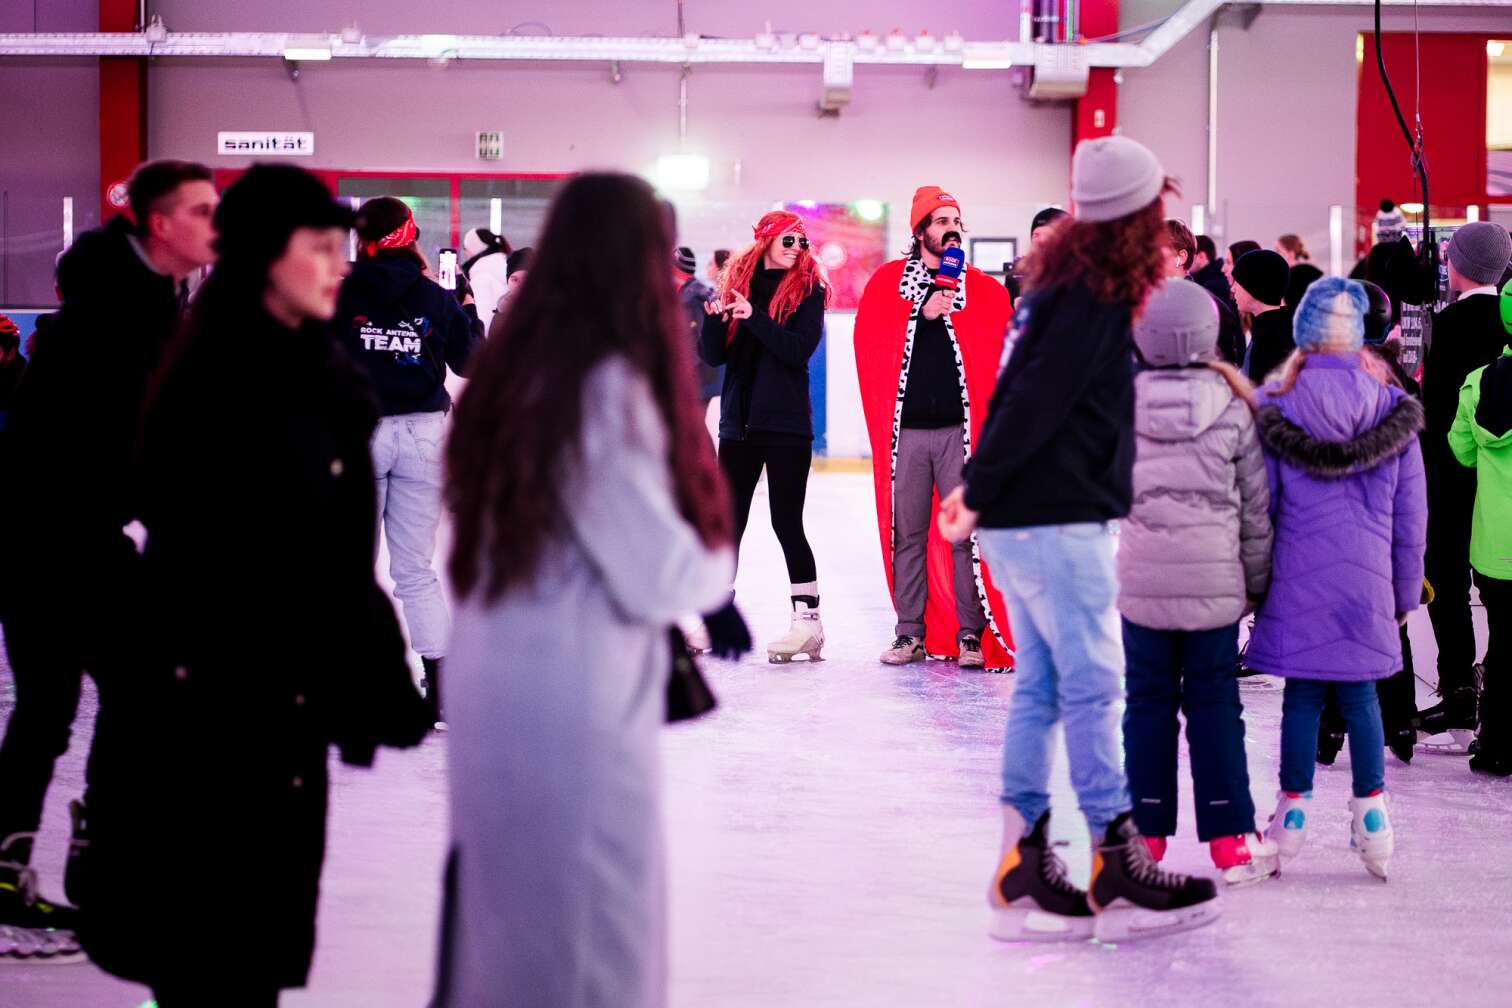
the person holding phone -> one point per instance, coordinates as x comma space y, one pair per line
405, 330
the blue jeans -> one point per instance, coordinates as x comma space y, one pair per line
1061, 585
1191, 671
1301, 708
407, 463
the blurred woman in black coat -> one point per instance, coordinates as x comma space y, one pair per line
265, 639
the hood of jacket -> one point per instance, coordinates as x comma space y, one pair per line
1328, 428
103, 256
1177, 404
1493, 414
384, 280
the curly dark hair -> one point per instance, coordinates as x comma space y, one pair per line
517, 424
1119, 261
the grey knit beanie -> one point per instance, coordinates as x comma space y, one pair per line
1113, 177
1480, 251
1179, 325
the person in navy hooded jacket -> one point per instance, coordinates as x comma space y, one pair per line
405, 330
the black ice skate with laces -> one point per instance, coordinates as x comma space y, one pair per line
1134, 898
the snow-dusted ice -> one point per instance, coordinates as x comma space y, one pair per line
832, 829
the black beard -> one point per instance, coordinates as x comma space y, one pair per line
938, 249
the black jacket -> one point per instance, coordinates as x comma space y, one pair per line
1230, 332
1270, 342
693, 294
1058, 445
1463, 336
265, 640
404, 330
1211, 277
766, 383
72, 424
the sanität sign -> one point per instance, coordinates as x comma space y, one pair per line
265, 144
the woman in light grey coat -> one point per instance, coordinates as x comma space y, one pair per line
590, 516
1193, 558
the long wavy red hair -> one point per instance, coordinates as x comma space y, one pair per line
802, 277
1119, 261
516, 425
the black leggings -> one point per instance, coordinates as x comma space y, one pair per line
787, 468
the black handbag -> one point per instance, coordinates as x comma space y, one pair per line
688, 693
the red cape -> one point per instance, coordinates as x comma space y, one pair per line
882, 330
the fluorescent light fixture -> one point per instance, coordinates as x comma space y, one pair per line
1495, 47
807, 204
302, 54
1472, 213
682, 171
869, 209
496, 215
1412, 208
1336, 240
986, 64
1199, 219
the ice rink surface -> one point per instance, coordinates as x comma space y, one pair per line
832, 829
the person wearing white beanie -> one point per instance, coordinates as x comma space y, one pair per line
1052, 471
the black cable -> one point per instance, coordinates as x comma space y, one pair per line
1428, 254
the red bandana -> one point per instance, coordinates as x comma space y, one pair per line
404, 234
781, 225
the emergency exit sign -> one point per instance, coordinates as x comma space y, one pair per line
490, 145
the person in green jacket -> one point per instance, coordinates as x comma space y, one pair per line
1481, 438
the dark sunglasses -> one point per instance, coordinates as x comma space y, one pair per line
787, 241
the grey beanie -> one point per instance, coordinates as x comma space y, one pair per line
685, 260
1179, 325
1480, 251
1113, 177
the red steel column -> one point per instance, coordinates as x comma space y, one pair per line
123, 105
1096, 113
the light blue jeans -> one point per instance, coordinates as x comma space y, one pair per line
407, 462
1062, 588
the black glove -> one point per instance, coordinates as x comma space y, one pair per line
464, 287
729, 637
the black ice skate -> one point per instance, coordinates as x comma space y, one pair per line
430, 690
1134, 898
32, 929
1455, 716
1031, 898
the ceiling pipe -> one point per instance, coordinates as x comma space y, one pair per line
654, 49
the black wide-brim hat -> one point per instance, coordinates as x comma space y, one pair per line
259, 211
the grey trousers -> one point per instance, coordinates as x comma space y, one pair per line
928, 460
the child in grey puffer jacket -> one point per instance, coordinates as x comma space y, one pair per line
1194, 557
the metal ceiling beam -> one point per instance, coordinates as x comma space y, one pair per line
660, 49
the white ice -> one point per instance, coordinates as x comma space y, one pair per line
831, 832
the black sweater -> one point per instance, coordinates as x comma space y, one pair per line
932, 398
1466, 335
1058, 446
766, 382
1270, 342
404, 330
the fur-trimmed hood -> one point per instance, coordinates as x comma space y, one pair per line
1341, 458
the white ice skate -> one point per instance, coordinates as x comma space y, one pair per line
1246, 860
805, 637
1454, 742
1370, 833
1288, 824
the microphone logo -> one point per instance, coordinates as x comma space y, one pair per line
952, 265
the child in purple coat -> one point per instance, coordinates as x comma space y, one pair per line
1349, 507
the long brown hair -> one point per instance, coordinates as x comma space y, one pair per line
598, 286
1119, 261
1285, 376
797, 284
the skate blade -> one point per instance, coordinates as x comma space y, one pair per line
778, 658
1011, 924
1255, 873
31, 947
1454, 742
1125, 922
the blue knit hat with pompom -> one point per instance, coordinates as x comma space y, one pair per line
1331, 316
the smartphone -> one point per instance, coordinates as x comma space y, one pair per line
446, 268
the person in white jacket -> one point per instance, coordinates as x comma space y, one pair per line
569, 567
486, 268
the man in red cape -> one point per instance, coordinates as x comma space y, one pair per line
927, 360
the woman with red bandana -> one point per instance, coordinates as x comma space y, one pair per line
764, 325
